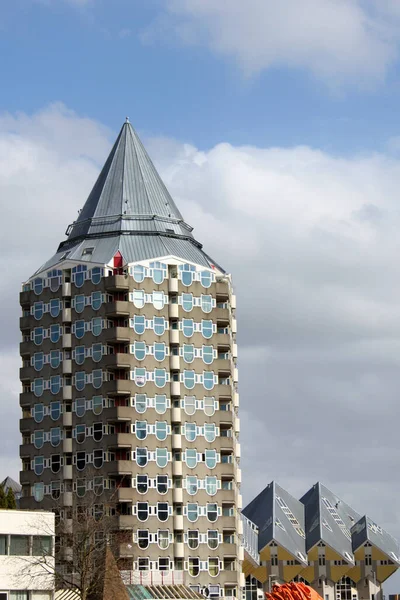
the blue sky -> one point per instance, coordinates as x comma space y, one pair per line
275, 127
100, 60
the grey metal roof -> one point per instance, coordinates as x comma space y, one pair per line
129, 209
8, 483
329, 519
366, 530
280, 518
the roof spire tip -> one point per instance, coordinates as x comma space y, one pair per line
126, 119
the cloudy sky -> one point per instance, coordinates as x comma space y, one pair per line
276, 128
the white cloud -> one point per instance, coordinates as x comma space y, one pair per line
340, 41
312, 242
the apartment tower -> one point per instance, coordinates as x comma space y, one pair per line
129, 380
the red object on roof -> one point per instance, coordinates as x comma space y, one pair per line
292, 591
118, 260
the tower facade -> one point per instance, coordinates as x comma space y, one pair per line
129, 381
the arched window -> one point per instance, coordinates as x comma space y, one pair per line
191, 458
190, 431
187, 302
141, 430
141, 457
142, 484
210, 458
188, 353
38, 310
138, 273
79, 303
139, 350
160, 325
212, 512
160, 377
143, 538
96, 300
208, 380
192, 512
139, 324
211, 485
191, 485
161, 430
97, 352
189, 379
161, 457
212, 539
209, 432
55, 307
187, 327
159, 351
208, 354
138, 298
207, 329
193, 539
55, 333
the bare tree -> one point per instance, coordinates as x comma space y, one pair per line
87, 547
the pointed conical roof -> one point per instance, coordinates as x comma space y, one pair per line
131, 211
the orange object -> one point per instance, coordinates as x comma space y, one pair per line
292, 591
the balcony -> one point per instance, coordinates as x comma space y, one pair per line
126, 521
126, 494
175, 388
66, 340
25, 298
174, 336
67, 445
67, 471
67, 499
67, 419
26, 398
223, 340
223, 391
67, 367
174, 362
176, 416
173, 285
67, 392
178, 522
222, 290
122, 467
117, 283
27, 373
117, 334
120, 440
179, 550
27, 424
222, 314
66, 315
176, 441
177, 495
223, 365
173, 311
117, 387
26, 348
117, 308
227, 443
25, 322
120, 360
177, 468
66, 289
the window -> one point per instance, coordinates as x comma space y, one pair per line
192, 512
211, 485
212, 539
190, 431
38, 361
160, 377
41, 545
187, 273
96, 274
78, 275
209, 432
139, 376
79, 355
162, 511
187, 327
160, 404
98, 459
38, 491
55, 463
161, 457
193, 539
80, 380
158, 300
80, 407
141, 457
189, 379
191, 485
210, 458
38, 413
212, 512
140, 403
213, 566
159, 325
3, 545
209, 406
142, 511
38, 465
97, 326
38, 335
38, 387
191, 458
97, 378
55, 384
55, 307
188, 353
206, 303
38, 286
96, 298
190, 405
187, 302
139, 324
163, 564
139, 350
142, 484
80, 460
207, 329
97, 432
55, 436
159, 272
55, 333
162, 484
97, 352
80, 487
141, 429
38, 310
55, 358
206, 278
138, 298
138, 273
55, 410
208, 354
38, 438
79, 303
163, 538
79, 329
208, 380
161, 428
19, 545
159, 351
143, 538
194, 566
97, 403
143, 564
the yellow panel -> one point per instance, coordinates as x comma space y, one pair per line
378, 554
313, 553
283, 554
339, 572
331, 554
261, 574
384, 571
265, 553
354, 573
308, 573
290, 572
359, 554
247, 567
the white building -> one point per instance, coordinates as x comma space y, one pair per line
26, 555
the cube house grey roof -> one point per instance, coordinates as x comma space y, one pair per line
129, 210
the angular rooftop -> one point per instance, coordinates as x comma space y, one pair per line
131, 211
